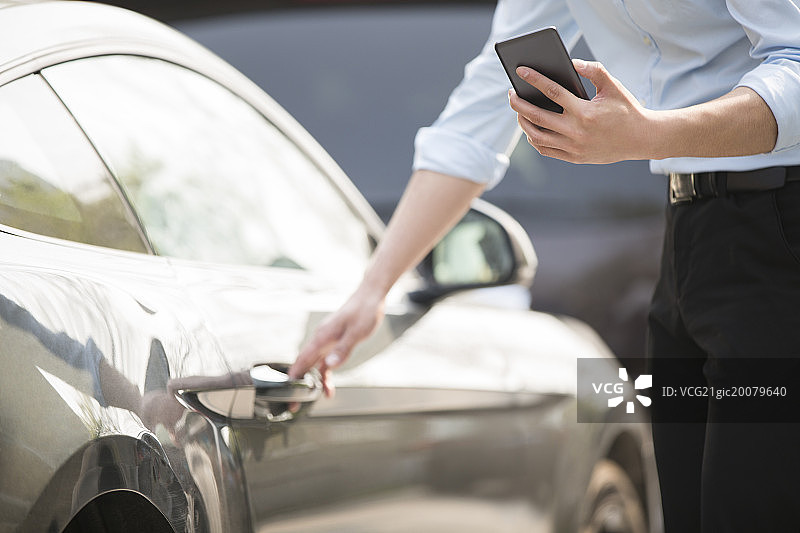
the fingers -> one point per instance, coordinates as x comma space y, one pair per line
548, 87
341, 351
535, 115
538, 136
555, 153
330, 345
314, 354
328, 348
593, 71
311, 354
335, 338
328, 388
543, 129
335, 357
331, 361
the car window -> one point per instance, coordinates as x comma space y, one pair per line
51, 180
210, 178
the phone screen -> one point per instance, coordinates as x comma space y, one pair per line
543, 51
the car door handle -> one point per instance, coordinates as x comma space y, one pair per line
272, 383
264, 393
280, 398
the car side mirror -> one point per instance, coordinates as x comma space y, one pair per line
486, 248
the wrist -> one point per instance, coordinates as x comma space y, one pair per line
657, 134
374, 286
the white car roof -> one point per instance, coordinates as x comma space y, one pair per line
37, 34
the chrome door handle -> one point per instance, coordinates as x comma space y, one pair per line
273, 384
265, 392
278, 397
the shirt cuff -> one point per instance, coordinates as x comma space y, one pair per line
458, 155
778, 83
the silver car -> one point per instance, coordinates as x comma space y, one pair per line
169, 237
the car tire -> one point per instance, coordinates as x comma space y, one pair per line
119, 511
611, 503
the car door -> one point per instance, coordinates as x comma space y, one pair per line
92, 328
266, 243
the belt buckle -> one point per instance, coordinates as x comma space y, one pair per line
682, 188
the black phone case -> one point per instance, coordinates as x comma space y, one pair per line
543, 51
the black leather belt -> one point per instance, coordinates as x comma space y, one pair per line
685, 188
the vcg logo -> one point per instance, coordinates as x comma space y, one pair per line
645, 381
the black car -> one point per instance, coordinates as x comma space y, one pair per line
169, 237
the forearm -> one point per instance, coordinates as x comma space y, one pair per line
737, 124
431, 205
614, 126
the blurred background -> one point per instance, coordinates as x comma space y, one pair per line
362, 78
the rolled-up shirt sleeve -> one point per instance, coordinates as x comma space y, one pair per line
477, 130
773, 28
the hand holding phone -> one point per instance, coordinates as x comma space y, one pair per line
544, 52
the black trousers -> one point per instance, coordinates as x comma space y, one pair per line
729, 288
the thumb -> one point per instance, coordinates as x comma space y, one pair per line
593, 71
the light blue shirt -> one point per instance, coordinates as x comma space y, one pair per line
668, 53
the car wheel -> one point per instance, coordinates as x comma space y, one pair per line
612, 504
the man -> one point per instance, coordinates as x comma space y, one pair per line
709, 91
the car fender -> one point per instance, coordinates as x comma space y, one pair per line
104, 465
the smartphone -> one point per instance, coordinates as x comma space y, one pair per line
543, 51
